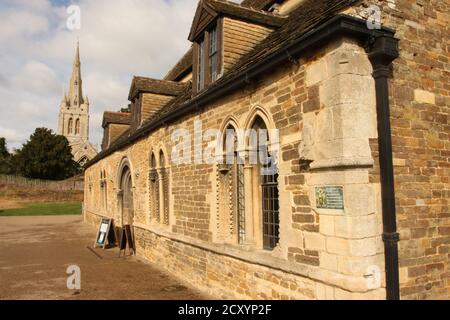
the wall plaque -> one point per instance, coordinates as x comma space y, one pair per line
330, 198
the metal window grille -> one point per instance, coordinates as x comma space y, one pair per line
270, 208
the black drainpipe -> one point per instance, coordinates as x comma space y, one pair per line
382, 51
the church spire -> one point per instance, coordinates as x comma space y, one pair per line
76, 91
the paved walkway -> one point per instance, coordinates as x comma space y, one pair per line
36, 251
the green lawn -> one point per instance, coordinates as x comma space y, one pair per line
44, 209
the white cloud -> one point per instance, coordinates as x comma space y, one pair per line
12, 136
118, 39
38, 78
16, 23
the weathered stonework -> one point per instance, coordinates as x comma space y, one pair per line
303, 243
420, 100
324, 107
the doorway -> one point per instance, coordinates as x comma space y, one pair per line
126, 185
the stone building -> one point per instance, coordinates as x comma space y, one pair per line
358, 206
74, 116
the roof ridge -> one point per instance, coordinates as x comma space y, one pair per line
180, 64
158, 80
270, 14
116, 112
141, 84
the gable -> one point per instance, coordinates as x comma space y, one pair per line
203, 17
84, 150
208, 10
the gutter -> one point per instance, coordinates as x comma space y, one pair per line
382, 49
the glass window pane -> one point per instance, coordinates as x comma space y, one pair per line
201, 65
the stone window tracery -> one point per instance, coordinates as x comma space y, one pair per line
70, 126
77, 127
231, 220
164, 186
154, 190
104, 189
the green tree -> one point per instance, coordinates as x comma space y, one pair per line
5, 158
4, 153
46, 156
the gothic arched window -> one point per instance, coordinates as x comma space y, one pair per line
104, 186
231, 206
267, 177
70, 126
77, 126
154, 189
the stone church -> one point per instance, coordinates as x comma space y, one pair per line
74, 116
353, 115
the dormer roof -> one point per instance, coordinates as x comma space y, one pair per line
258, 4
208, 10
182, 68
116, 118
149, 85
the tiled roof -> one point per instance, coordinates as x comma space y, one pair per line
301, 20
234, 10
310, 14
116, 118
183, 66
247, 13
257, 4
149, 85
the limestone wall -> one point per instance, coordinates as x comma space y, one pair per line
325, 130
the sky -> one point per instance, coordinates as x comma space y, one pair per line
118, 39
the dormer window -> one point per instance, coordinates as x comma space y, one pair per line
213, 54
201, 65
222, 32
207, 56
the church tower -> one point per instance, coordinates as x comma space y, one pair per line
74, 116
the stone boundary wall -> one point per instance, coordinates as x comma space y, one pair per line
36, 184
